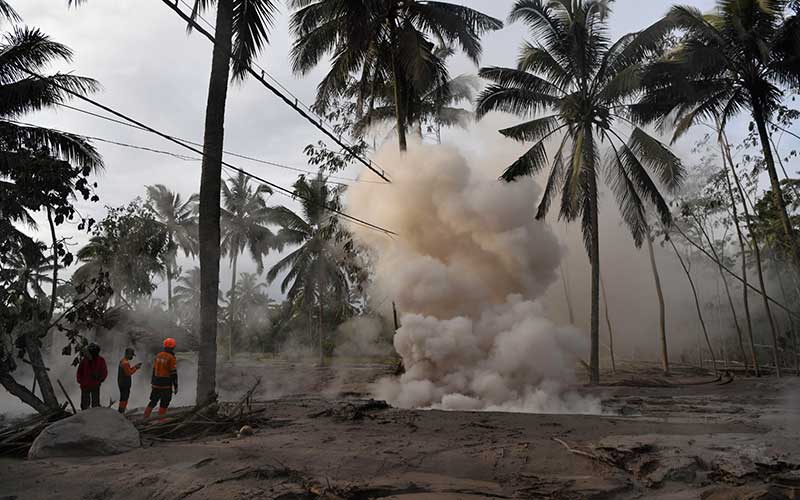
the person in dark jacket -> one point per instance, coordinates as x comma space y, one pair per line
92, 372
124, 373
165, 379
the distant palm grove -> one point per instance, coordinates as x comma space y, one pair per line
596, 114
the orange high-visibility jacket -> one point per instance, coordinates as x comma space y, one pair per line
165, 371
124, 373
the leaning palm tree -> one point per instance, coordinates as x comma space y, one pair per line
583, 83
178, 218
383, 40
315, 271
740, 57
245, 218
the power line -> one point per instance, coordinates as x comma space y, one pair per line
197, 151
194, 143
293, 103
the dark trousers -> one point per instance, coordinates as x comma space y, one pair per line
124, 393
162, 395
90, 397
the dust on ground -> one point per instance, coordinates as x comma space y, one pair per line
689, 436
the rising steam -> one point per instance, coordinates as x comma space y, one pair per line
466, 272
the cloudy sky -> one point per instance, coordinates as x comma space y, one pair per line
150, 69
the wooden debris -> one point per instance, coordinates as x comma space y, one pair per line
352, 411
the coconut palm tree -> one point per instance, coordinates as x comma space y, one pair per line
245, 218
739, 57
29, 268
582, 83
178, 217
383, 40
24, 53
316, 271
436, 105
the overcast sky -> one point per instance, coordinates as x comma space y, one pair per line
149, 68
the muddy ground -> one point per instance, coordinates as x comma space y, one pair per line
682, 438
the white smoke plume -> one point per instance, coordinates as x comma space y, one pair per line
466, 271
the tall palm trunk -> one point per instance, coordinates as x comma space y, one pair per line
594, 256
777, 192
566, 295
661, 309
696, 305
399, 100
170, 259
756, 249
210, 185
321, 331
743, 251
232, 325
608, 324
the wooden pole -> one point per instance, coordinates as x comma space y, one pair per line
74, 411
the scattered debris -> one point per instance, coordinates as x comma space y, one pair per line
352, 411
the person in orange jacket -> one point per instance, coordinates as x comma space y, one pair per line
165, 379
92, 372
124, 373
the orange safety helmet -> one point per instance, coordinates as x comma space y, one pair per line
169, 343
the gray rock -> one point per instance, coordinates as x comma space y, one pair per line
95, 432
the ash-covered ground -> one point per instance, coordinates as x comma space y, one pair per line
679, 438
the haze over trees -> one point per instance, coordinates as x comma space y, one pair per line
594, 114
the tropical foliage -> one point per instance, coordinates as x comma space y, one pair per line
179, 219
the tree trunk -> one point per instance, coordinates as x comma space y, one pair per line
170, 259
40, 369
594, 257
210, 185
743, 250
777, 192
399, 97
697, 306
321, 332
53, 295
566, 295
661, 310
755, 243
232, 305
718, 259
24, 395
608, 324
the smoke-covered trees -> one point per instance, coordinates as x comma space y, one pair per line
738, 58
131, 246
584, 85
385, 42
316, 269
179, 219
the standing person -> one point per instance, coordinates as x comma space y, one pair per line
124, 373
92, 372
165, 378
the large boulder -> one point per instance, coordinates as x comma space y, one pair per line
98, 431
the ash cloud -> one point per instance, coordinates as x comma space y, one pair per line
467, 271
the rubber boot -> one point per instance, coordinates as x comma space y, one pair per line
123, 405
162, 412
148, 411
